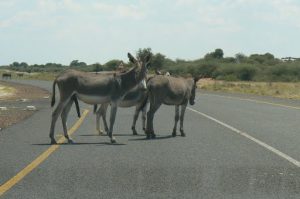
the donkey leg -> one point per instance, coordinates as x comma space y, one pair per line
183, 108
150, 115
64, 116
176, 120
135, 117
98, 117
101, 113
144, 112
57, 111
113, 112
104, 111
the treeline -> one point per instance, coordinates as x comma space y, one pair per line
54, 67
256, 67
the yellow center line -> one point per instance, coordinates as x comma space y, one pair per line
35, 163
253, 100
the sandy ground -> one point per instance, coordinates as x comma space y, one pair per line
12, 105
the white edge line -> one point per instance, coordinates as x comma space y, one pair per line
266, 146
253, 100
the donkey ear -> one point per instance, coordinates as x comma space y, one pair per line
147, 58
131, 58
157, 72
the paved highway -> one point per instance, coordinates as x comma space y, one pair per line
237, 146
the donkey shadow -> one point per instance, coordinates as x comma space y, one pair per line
81, 143
75, 143
115, 134
158, 137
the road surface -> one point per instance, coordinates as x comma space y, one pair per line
237, 146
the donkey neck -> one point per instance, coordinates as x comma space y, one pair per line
131, 78
190, 83
128, 80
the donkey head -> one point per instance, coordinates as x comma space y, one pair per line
144, 62
193, 93
141, 67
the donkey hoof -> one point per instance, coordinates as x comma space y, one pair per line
70, 141
182, 134
53, 141
174, 134
134, 132
100, 132
153, 136
148, 136
113, 140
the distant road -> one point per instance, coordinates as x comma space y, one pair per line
237, 146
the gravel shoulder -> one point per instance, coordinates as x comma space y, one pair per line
14, 107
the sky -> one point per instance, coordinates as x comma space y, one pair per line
59, 31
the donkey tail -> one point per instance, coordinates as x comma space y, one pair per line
95, 108
53, 93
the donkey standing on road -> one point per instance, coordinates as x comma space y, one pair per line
94, 89
170, 91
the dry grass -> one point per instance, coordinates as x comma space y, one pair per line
275, 89
36, 75
41, 76
6, 91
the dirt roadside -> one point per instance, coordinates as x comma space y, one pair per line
14, 107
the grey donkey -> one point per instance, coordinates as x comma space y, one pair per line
94, 89
170, 90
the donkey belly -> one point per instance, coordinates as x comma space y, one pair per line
131, 99
93, 99
127, 103
172, 100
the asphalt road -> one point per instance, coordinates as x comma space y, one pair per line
237, 146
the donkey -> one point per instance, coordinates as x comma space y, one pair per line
94, 89
135, 97
170, 91
6, 76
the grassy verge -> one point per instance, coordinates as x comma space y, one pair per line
36, 76
274, 89
41, 76
6, 91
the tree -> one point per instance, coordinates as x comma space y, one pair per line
240, 58
24, 64
15, 64
142, 53
97, 67
266, 58
112, 64
217, 54
76, 63
157, 61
